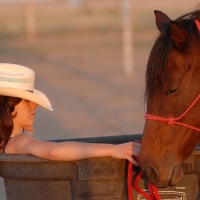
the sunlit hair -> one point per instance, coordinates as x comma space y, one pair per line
7, 106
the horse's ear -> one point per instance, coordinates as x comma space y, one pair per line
177, 32
162, 20
178, 35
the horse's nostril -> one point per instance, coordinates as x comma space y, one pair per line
155, 178
151, 174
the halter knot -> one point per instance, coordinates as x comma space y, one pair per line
171, 120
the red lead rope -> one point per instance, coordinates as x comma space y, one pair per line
153, 192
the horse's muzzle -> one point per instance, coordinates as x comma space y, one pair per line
165, 177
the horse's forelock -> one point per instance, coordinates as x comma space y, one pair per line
157, 63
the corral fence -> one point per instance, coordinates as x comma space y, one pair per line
29, 177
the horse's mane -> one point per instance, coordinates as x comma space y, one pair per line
159, 53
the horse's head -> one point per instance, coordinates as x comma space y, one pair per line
172, 84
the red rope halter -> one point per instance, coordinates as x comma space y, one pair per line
172, 120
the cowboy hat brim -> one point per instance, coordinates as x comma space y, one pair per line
34, 96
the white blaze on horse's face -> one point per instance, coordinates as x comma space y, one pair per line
172, 127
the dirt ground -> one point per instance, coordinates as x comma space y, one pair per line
84, 80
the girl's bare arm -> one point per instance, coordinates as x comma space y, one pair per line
68, 151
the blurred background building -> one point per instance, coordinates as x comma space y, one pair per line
90, 59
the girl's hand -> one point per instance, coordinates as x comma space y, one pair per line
126, 151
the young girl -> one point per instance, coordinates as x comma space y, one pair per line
18, 103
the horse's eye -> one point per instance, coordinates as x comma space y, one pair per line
171, 91
168, 92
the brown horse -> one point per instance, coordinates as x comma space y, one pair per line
172, 128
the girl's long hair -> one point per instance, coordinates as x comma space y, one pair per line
7, 106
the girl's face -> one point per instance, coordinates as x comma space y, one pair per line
24, 114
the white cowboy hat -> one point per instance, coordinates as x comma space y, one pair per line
18, 81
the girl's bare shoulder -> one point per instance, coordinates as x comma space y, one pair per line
17, 143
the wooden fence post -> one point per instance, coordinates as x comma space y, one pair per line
30, 20
127, 38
